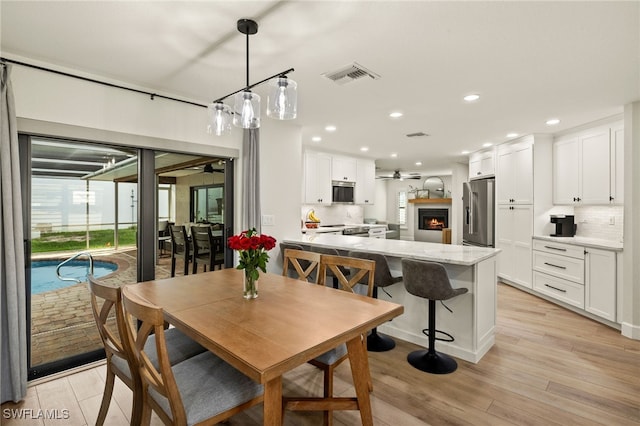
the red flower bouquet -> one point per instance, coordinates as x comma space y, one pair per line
252, 249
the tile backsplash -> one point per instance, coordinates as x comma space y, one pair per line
596, 222
335, 214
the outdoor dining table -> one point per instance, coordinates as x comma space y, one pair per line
290, 323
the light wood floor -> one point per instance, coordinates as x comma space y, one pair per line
549, 366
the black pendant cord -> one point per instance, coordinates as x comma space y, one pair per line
247, 59
104, 83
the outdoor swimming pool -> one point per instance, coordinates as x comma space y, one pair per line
44, 278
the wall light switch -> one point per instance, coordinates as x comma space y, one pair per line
268, 220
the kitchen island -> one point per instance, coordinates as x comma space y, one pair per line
473, 320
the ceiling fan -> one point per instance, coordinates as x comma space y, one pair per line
400, 176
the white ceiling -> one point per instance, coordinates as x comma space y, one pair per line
529, 61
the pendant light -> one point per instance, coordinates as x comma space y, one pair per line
281, 102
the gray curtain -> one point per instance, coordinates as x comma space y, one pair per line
251, 179
13, 330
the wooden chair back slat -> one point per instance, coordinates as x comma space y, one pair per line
359, 269
294, 257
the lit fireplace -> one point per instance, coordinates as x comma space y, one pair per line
433, 219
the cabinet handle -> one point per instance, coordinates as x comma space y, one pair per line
611, 198
478, 173
556, 288
578, 199
555, 248
555, 266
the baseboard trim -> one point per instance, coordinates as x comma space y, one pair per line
631, 331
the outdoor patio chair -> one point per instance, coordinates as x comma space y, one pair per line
106, 305
207, 249
180, 248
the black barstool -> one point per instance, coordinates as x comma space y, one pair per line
382, 278
430, 281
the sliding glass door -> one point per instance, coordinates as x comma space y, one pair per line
109, 202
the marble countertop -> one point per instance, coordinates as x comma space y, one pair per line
435, 252
323, 229
583, 241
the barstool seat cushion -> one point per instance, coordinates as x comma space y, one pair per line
428, 280
382, 275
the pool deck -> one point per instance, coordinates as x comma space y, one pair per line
62, 324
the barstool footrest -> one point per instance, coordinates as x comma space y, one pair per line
442, 339
432, 362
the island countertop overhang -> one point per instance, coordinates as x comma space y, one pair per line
433, 252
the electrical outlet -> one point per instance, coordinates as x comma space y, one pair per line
612, 220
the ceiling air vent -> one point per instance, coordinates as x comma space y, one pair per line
416, 134
350, 73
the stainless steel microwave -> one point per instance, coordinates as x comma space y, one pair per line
342, 192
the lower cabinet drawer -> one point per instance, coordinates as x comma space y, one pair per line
560, 289
560, 266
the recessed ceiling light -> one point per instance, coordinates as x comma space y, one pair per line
316, 138
487, 144
396, 114
330, 128
553, 122
464, 152
394, 154
364, 149
471, 98
512, 135
418, 163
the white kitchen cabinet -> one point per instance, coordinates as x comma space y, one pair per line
514, 228
514, 173
617, 164
600, 283
582, 168
582, 276
482, 164
344, 169
317, 178
365, 190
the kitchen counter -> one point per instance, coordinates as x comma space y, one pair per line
337, 228
433, 252
473, 320
583, 241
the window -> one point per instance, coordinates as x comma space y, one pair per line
207, 203
402, 207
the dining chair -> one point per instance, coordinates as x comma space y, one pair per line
359, 270
207, 249
332, 252
180, 248
106, 305
200, 390
304, 264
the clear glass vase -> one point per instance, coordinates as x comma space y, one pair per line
250, 287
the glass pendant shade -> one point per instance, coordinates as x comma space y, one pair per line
247, 110
219, 119
282, 102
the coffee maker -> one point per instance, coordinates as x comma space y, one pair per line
565, 226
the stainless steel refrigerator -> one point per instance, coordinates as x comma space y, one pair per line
478, 211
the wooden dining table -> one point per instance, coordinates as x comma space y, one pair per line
290, 323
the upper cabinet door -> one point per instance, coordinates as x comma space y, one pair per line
566, 171
365, 182
617, 163
514, 173
317, 178
482, 164
344, 169
595, 168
